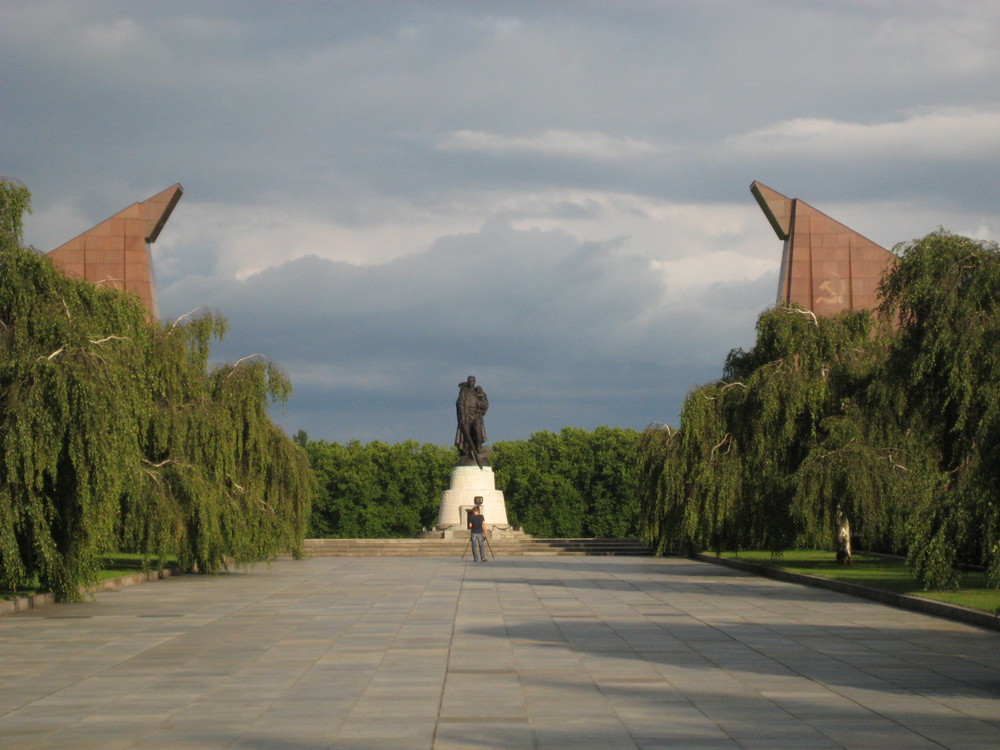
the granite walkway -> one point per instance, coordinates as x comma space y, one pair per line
519, 653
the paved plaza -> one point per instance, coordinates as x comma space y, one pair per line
522, 652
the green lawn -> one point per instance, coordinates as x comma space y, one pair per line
878, 573
115, 566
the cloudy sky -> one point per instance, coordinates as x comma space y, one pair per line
385, 197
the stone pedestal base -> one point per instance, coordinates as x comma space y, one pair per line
468, 482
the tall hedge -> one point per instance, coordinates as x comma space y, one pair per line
575, 483
571, 484
116, 433
377, 490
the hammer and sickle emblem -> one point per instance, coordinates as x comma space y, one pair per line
835, 289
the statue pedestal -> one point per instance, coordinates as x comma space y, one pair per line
468, 482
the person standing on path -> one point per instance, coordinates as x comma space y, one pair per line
476, 520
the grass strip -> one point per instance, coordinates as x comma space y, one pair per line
115, 566
888, 574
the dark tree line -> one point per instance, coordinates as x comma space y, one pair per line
572, 484
376, 490
576, 483
116, 435
893, 420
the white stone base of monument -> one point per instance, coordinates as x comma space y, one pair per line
467, 483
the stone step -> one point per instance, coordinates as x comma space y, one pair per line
447, 547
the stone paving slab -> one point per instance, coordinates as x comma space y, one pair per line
519, 653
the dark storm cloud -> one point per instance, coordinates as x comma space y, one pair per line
331, 101
556, 327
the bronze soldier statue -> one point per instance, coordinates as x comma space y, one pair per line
471, 433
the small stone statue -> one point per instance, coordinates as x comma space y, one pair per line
471, 433
843, 538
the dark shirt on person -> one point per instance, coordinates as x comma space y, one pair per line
476, 522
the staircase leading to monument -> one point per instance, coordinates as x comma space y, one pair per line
454, 547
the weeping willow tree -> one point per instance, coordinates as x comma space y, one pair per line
116, 434
689, 478
217, 479
800, 371
940, 386
658, 459
892, 421
729, 476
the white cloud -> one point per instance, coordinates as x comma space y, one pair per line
237, 241
952, 133
699, 271
123, 36
242, 240
556, 143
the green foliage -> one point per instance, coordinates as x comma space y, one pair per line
15, 201
574, 484
729, 477
377, 490
895, 425
942, 384
696, 484
661, 490
115, 434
